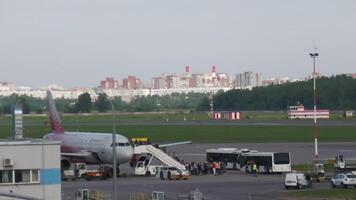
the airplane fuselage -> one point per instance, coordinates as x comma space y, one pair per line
96, 148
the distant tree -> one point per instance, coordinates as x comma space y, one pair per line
102, 103
143, 104
84, 103
335, 93
204, 104
119, 104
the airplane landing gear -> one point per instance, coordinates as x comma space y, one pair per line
117, 172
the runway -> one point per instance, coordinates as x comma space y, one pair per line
304, 122
245, 122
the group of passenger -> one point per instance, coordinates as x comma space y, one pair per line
205, 168
202, 168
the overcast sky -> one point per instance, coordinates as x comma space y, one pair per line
80, 42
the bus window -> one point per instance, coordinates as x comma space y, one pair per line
281, 158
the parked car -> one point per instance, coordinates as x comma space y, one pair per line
343, 180
297, 180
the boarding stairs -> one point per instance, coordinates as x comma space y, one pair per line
159, 155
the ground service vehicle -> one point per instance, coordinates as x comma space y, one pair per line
343, 165
102, 173
343, 180
144, 167
296, 180
75, 171
172, 173
242, 159
140, 140
68, 175
318, 172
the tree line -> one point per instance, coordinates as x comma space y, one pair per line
334, 93
85, 104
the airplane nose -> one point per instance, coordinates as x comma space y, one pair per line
126, 155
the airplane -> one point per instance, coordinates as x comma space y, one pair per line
87, 147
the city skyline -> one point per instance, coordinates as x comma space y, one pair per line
75, 44
117, 83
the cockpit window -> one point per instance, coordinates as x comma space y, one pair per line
121, 144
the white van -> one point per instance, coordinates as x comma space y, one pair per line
296, 180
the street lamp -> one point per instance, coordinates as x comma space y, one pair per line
315, 129
113, 144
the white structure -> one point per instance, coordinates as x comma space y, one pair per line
30, 167
248, 80
298, 112
228, 115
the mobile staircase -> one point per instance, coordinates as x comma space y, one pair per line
160, 155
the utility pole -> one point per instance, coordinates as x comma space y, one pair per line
211, 103
114, 144
315, 128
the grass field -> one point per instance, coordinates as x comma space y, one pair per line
200, 134
108, 117
324, 194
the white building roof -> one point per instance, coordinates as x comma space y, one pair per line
27, 141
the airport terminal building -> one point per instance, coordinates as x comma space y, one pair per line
30, 168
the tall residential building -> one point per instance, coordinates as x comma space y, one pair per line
185, 82
159, 82
131, 82
109, 83
223, 80
173, 81
248, 80
188, 80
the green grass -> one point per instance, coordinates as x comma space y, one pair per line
329, 167
34, 127
266, 116
209, 133
324, 194
108, 117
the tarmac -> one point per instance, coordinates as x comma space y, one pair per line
231, 185
301, 153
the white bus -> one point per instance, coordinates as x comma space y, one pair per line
242, 159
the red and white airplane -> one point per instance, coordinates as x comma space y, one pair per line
87, 147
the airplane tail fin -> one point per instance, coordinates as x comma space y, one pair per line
56, 123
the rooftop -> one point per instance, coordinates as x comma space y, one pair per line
27, 141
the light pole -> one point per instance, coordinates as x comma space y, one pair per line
113, 145
113, 150
315, 128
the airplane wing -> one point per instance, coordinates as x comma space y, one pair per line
173, 144
79, 155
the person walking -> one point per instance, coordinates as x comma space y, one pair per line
214, 168
254, 168
218, 168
